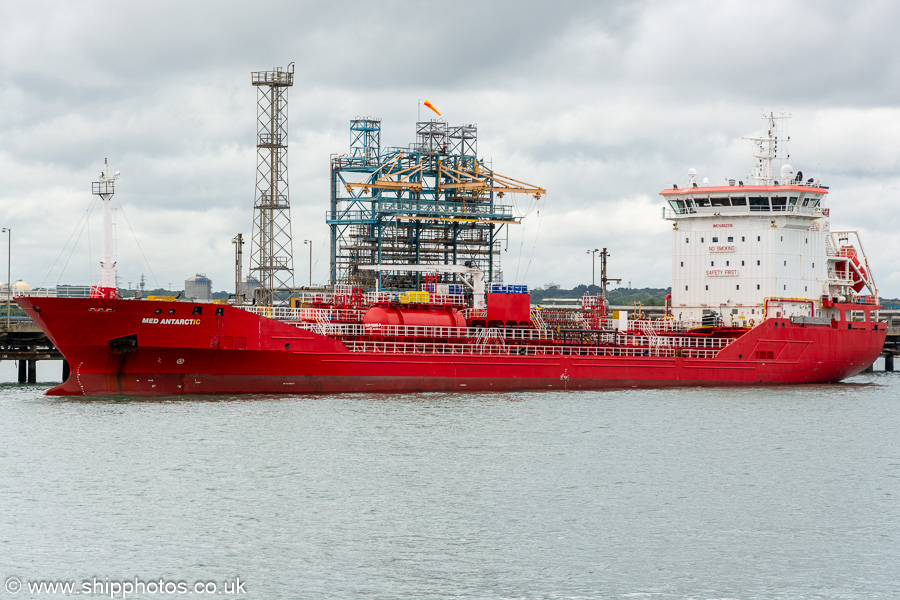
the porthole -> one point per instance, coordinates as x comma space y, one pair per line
171, 311
158, 311
287, 346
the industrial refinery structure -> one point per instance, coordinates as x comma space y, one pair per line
434, 202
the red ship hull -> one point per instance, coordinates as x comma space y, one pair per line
127, 347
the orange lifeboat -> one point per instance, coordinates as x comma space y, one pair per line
852, 269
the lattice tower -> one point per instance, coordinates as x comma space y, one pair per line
271, 250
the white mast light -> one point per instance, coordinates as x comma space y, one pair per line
105, 188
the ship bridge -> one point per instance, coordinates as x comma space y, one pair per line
795, 199
738, 250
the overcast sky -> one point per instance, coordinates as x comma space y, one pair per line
602, 103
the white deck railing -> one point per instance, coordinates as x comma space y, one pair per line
369, 347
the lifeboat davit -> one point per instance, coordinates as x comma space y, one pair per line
852, 269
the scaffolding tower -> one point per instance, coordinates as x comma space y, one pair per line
271, 250
431, 203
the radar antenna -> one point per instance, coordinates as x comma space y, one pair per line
766, 149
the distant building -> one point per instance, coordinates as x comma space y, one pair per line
20, 288
198, 287
248, 285
71, 291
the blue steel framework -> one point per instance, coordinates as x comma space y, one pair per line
431, 203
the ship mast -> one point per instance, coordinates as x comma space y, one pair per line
766, 150
105, 188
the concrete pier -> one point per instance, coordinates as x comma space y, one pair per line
26, 344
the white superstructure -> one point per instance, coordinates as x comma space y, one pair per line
744, 251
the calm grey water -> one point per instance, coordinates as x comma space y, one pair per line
787, 492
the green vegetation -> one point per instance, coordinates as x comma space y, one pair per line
646, 296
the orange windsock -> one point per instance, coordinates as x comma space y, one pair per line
431, 106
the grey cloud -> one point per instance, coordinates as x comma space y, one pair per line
602, 103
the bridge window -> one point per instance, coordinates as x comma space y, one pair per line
759, 203
739, 202
779, 203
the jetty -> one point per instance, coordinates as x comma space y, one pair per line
24, 342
